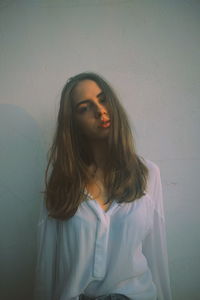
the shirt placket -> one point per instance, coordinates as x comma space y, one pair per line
101, 244
101, 240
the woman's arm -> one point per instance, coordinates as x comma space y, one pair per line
46, 257
154, 245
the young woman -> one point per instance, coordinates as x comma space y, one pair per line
102, 228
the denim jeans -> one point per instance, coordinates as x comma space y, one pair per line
104, 297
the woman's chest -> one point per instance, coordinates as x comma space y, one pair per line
98, 192
127, 222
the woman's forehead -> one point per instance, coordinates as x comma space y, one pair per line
85, 89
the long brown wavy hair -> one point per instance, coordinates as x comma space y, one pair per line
69, 157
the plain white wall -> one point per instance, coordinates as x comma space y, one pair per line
149, 51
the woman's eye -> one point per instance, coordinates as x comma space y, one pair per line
102, 100
83, 109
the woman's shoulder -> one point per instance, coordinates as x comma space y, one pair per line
153, 174
151, 165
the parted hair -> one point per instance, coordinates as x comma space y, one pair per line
67, 173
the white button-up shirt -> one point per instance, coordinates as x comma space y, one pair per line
96, 252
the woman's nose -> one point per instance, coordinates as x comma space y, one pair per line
100, 110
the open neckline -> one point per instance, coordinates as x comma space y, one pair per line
89, 195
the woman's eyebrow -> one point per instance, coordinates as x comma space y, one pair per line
88, 100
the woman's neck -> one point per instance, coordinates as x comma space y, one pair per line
100, 153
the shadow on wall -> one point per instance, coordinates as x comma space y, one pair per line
22, 163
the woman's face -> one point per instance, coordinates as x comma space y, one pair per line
91, 110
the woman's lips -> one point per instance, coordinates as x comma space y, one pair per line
105, 124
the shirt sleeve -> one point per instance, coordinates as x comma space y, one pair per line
45, 275
154, 244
